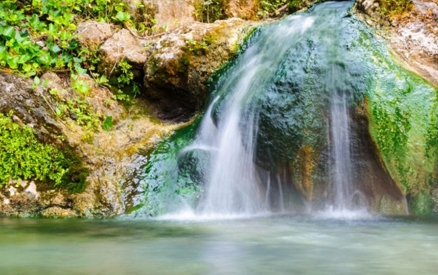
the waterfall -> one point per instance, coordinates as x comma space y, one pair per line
232, 181
342, 161
280, 132
232, 184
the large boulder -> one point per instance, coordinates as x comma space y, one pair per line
182, 62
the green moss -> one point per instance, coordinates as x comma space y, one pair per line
403, 113
395, 7
165, 184
23, 156
421, 203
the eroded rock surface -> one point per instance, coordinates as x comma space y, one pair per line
413, 35
182, 62
109, 155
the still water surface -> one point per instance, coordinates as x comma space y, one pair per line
262, 245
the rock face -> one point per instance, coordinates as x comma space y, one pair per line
123, 45
403, 122
413, 35
109, 155
245, 9
93, 34
167, 15
182, 62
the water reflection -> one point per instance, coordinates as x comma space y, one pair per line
265, 245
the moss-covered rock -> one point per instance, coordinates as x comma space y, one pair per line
403, 113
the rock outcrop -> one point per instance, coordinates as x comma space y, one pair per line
412, 35
403, 121
109, 155
182, 62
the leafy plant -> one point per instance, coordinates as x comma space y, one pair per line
107, 123
210, 10
122, 83
269, 7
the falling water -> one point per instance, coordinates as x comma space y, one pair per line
232, 184
342, 163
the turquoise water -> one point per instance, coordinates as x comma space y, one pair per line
261, 245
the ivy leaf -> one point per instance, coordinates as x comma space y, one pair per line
54, 48
8, 32
44, 58
13, 62
122, 16
107, 123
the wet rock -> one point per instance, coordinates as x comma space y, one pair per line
182, 62
59, 212
389, 206
31, 191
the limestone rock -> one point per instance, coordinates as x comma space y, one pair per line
371, 8
245, 9
93, 34
413, 36
123, 45
182, 62
29, 105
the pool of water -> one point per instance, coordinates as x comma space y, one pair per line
281, 244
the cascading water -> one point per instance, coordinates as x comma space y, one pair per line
342, 162
283, 130
231, 181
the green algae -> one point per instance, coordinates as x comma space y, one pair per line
403, 113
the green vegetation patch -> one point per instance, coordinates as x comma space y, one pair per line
395, 7
210, 10
23, 156
38, 36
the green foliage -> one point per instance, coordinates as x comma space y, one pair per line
77, 106
421, 203
199, 47
122, 83
294, 5
22, 156
269, 7
37, 36
107, 123
210, 10
395, 7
